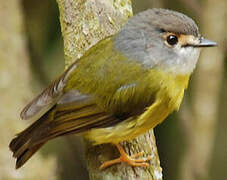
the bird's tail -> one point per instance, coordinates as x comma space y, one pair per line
54, 124
21, 145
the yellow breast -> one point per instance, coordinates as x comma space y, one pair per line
167, 100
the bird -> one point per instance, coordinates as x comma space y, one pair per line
123, 86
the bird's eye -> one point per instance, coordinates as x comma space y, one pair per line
172, 40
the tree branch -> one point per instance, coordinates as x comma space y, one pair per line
83, 23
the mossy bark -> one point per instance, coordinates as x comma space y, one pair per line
84, 23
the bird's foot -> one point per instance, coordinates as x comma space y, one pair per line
130, 160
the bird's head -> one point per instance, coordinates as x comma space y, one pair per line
162, 39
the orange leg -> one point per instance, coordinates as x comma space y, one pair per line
127, 159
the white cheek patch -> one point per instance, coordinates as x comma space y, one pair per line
190, 58
186, 60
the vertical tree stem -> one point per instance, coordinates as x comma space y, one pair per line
84, 23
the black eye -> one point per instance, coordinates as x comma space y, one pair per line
172, 40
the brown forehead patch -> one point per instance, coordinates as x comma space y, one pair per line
183, 39
187, 39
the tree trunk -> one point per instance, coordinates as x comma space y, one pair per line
15, 91
84, 23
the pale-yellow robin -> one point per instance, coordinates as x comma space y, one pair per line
123, 86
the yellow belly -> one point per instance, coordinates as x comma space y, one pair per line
166, 102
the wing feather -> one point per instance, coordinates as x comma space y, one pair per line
48, 98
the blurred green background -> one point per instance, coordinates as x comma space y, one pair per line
192, 143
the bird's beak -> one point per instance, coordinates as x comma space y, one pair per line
205, 43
